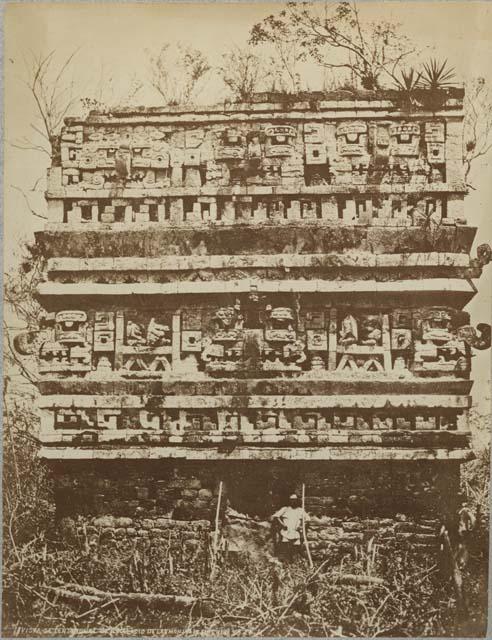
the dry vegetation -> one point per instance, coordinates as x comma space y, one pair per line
50, 584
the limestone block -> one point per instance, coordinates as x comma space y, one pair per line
163, 523
176, 212
260, 213
313, 132
55, 211
142, 216
229, 212
294, 211
349, 212
329, 208
192, 177
315, 153
455, 207
189, 493
177, 176
74, 216
105, 522
211, 214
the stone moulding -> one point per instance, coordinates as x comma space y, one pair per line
272, 386
255, 453
459, 288
242, 240
260, 401
175, 263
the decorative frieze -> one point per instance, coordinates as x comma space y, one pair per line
177, 422
381, 208
256, 336
294, 427
257, 281
326, 152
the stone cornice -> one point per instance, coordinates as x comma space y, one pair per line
455, 289
298, 189
153, 240
234, 402
359, 259
338, 104
308, 385
254, 453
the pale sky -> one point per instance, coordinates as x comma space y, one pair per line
113, 39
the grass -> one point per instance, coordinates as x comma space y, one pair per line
247, 597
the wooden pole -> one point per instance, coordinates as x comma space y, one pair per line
456, 573
216, 531
306, 543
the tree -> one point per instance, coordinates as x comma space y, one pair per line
177, 73
21, 312
477, 124
244, 72
335, 37
113, 89
54, 94
287, 54
51, 86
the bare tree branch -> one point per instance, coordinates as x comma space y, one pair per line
244, 72
26, 200
335, 37
54, 96
477, 124
177, 73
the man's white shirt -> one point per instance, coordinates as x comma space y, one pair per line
291, 518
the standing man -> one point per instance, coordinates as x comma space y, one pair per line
287, 525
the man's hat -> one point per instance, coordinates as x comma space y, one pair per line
293, 497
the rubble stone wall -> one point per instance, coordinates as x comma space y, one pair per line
331, 538
167, 545
188, 491
171, 507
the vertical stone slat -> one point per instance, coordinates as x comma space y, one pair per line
332, 341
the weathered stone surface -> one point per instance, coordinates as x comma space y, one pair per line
105, 522
153, 242
123, 522
248, 304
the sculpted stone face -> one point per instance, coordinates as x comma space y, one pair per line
281, 316
226, 316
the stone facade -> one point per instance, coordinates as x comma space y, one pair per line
391, 502
240, 285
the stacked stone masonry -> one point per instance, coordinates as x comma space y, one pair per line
266, 284
390, 503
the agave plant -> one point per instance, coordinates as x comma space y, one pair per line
408, 80
436, 75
